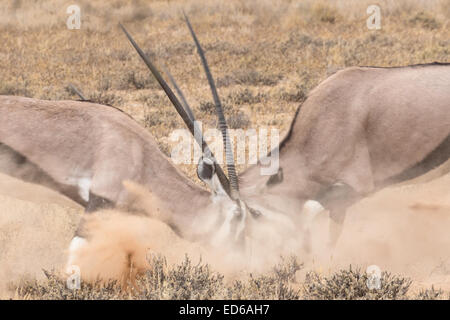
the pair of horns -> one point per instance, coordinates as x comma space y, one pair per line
230, 185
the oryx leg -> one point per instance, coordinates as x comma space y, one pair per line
311, 209
337, 199
354, 181
96, 203
337, 218
80, 238
93, 203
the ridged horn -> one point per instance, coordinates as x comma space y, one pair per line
222, 122
178, 106
184, 102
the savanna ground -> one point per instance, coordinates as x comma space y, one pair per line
265, 56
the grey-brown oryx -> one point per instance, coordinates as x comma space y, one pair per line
359, 130
86, 151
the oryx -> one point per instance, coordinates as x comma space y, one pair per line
358, 130
86, 151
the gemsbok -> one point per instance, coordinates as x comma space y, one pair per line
359, 130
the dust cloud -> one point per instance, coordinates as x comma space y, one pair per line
402, 229
34, 233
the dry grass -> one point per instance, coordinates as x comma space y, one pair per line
186, 280
265, 56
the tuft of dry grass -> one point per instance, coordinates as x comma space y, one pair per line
351, 284
324, 12
425, 20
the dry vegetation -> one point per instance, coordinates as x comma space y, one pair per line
197, 281
186, 280
265, 55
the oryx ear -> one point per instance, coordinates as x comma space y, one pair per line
206, 171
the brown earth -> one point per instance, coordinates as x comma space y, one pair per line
36, 226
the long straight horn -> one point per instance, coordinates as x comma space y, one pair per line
222, 122
186, 106
77, 92
176, 103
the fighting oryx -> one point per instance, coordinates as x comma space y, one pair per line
86, 151
360, 130
357, 131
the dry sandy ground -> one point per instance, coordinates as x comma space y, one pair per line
36, 225
402, 229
